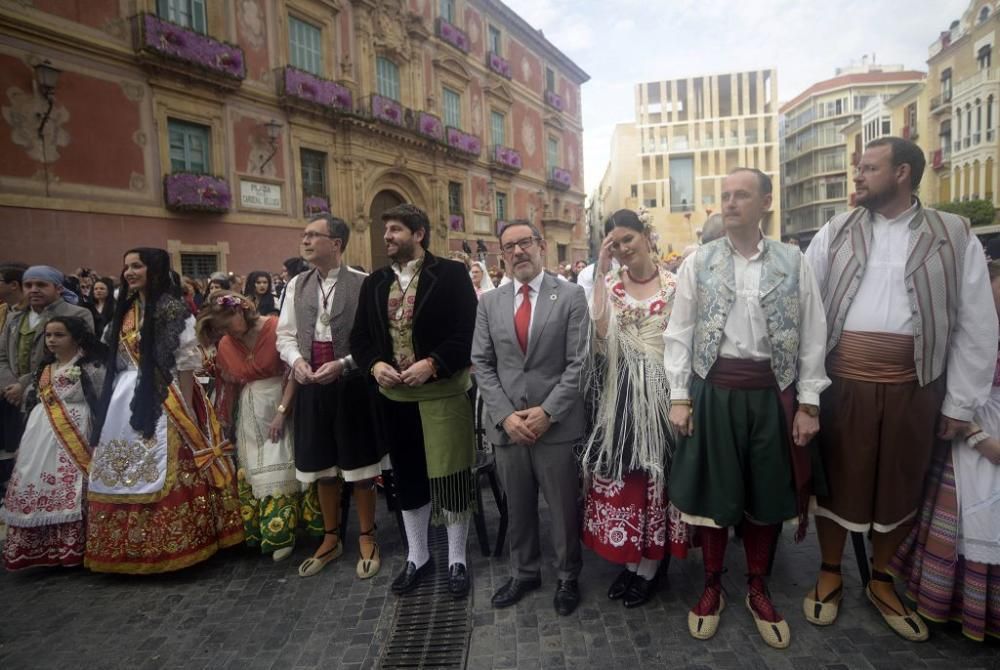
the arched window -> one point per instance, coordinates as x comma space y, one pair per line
984, 57
387, 78
984, 13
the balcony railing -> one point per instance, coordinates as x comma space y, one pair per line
506, 158
387, 110
555, 101
166, 45
453, 35
976, 138
981, 77
463, 142
560, 179
498, 64
301, 88
430, 126
189, 192
990, 135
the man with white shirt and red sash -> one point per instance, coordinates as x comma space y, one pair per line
907, 297
746, 339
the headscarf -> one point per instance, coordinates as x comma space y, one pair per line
49, 274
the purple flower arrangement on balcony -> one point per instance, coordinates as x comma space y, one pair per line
464, 142
498, 64
316, 204
387, 109
554, 100
453, 35
456, 223
310, 88
188, 192
560, 179
184, 45
507, 158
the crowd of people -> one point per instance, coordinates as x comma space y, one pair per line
739, 386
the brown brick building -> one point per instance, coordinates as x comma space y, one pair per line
210, 127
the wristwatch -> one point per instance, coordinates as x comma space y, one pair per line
811, 410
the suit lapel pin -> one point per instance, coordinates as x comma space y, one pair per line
553, 296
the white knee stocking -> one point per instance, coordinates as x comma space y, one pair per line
415, 522
458, 534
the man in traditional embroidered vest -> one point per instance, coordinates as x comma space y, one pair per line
21, 343
748, 322
335, 438
413, 335
529, 349
907, 297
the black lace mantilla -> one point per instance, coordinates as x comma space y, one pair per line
160, 340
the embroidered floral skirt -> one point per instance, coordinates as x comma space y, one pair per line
943, 584
188, 525
627, 521
270, 522
58, 544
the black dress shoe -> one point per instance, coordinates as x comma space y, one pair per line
515, 589
410, 576
620, 585
567, 596
640, 591
458, 580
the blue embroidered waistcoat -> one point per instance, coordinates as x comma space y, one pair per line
779, 298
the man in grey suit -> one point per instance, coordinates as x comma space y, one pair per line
528, 354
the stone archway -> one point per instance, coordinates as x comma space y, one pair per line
383, 200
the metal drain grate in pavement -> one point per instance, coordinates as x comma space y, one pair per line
431, 629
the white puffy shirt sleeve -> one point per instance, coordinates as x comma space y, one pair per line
678, 338
188, 356
812, 379
287, 330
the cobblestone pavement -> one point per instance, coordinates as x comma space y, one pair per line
239, 610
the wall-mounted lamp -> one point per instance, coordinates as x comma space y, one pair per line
273, 133
46, 76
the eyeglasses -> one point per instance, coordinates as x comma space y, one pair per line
525, 244
310, 235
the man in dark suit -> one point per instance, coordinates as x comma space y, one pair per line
528, 353
413, 334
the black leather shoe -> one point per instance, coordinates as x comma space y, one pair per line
515, 589
410, 576
620, 585
458, 580
567, 596
640, 591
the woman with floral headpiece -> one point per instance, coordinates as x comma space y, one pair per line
627, 517
45, 499
255, 398
162, 491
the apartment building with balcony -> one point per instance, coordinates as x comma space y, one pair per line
687, 135
213, 128
815, 164
964, 89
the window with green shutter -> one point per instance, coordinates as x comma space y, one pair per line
498, 128
190, 147
501, 206
494, 41
313, 172
451, 103
387, 78
187, 13
305, 44
448, 10
552, 154
454, 197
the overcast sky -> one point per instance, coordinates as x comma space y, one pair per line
623, 42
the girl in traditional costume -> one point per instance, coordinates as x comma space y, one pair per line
627, 456
950, 562
255, 397
45, 501
162, 489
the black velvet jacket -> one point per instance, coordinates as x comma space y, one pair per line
444, 317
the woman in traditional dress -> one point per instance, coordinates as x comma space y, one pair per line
162, 493
260, 291
627, 456
480, 278
44, 505
255, 398
950, 562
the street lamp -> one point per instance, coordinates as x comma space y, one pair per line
46, 76
273, 129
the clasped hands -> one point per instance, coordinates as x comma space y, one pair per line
325, 374
387, 376
526, 426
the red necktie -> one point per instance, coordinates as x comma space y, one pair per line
522, 318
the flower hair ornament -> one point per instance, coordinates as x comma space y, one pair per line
230, 301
